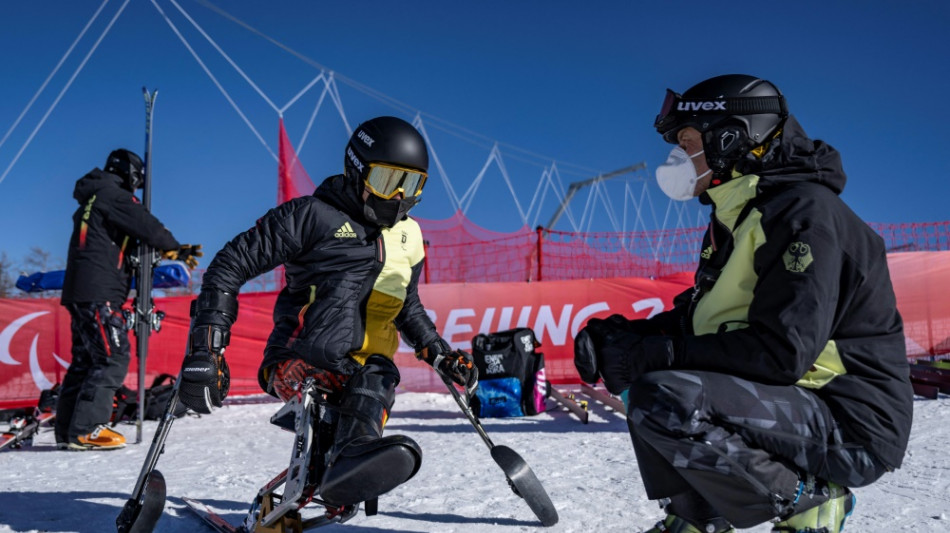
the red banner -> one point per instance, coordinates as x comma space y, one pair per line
35, 335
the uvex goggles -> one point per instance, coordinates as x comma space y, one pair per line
387, 181
678, 112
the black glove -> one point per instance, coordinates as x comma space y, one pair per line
205, 376
622, 364
460, 367
591, 339
189, 253
612, 349
457, 365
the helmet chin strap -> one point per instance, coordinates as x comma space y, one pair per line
724, 147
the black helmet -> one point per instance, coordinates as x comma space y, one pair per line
127, 166
388, 155
734, 112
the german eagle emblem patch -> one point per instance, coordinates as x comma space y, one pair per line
798, 257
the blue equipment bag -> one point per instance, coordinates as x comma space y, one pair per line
168, 275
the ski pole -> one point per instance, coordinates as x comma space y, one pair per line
521, 478
145, 506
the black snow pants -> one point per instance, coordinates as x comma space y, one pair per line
737, 449
99, 366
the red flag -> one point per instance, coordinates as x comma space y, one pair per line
292, 179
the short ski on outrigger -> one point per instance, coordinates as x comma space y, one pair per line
521, 478
143, 509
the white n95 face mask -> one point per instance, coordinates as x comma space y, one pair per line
677, 177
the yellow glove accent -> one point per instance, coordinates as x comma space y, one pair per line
189, 253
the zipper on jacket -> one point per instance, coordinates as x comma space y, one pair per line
380, 250
709, 273
300, 316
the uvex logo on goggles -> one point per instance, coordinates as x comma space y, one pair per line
718, 105
675, 107
387, 181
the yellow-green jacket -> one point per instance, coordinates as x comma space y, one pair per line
794, 288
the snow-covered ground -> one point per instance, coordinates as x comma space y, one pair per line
588, 470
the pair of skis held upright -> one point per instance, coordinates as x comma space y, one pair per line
142, 511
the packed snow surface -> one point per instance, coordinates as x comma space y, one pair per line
589, 471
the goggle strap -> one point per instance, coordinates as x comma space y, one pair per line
752, 105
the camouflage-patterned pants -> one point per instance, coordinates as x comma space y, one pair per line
741, 446
100, 363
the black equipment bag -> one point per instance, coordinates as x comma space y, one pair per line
125, 407
157, 396
511, 378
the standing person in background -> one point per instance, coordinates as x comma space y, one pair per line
106, 228
352, 259
779, 381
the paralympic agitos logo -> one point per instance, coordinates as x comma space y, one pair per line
7, 358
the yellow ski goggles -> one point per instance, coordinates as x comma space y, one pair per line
387, 181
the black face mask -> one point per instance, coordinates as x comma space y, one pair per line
385, 213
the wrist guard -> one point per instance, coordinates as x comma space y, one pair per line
215, 307
214, 312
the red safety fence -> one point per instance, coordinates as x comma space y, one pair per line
35, 339
455, 253
459, 251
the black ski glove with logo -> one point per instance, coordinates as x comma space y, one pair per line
205, 376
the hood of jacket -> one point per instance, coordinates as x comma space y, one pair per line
796, 157
93, 182
339, 192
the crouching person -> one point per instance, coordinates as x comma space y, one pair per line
780, 381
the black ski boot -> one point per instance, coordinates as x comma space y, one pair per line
362, 464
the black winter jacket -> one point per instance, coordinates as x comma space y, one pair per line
350, 285
107, 226
794, 288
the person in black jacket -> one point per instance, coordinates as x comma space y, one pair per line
352, 260
780, 381
107, 226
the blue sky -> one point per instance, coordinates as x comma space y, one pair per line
576, 83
